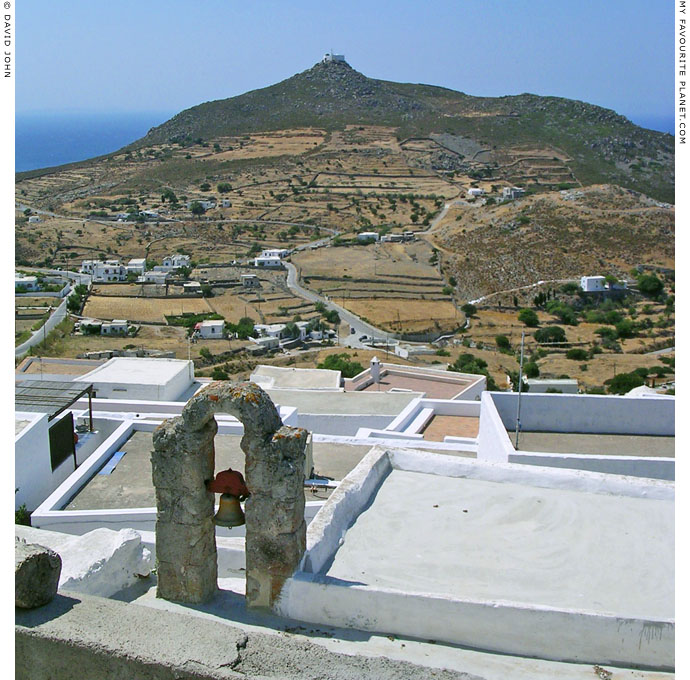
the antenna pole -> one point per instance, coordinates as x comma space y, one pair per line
517, 418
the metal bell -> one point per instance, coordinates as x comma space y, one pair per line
229, 512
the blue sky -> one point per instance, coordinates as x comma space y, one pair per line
166, 56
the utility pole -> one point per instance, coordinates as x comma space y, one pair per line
517, 418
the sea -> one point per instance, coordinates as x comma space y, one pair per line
47, 139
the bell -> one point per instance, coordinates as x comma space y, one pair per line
229, 512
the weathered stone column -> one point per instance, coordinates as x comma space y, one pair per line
274, 473
182, 461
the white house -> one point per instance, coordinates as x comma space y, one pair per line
475, 191
367, 236
513, 192
276, 252
90, 324
250, 280
328, 57
151, 214
226, 203
206, 205
268, 342
593, 284
192, 288
154, 277
110, 270
33, 219
27, 282
136, 378
114, 327
176, 260
267, 262
272, 330
213, 329
137, 265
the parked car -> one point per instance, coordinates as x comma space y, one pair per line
362, 338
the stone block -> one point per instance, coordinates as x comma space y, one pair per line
101, 562
36, 574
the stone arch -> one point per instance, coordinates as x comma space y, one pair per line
183, 460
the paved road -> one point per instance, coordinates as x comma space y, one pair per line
666, 350
361, 327
55, 318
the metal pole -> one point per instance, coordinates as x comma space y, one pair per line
90, 411
517, 418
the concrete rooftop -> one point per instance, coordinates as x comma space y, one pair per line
383, 403
129, 485
145, 371
296, 378
504, 541
599, 444
432, 388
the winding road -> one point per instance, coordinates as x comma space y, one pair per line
361, 327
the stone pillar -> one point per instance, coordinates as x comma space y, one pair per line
274, 473
182, 461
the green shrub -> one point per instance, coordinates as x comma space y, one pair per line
570, 288
502, 342
22, 516
625, 329
550, 334
342, 363
607, 333
528, 317
468, 363
469, 309
624, 382
576, 354
530, 369
648, 284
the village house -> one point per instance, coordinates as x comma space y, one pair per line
593, 284
206, 205
158, 277
367, 236
475, 191
513, 192
26, 283
114, 327
275, 252
272, 261
104, 271
137, 265
211, 329
250, 280
176, 260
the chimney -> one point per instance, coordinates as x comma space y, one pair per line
375, 368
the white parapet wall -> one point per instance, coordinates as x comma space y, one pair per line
584, 414
51, 515
591, 413
551, 632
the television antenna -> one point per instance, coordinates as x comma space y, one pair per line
517, 418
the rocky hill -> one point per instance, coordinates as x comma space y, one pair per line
596, 231
603, 147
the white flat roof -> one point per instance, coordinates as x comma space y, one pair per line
143, 371
301, 378
506, 541
212, 322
